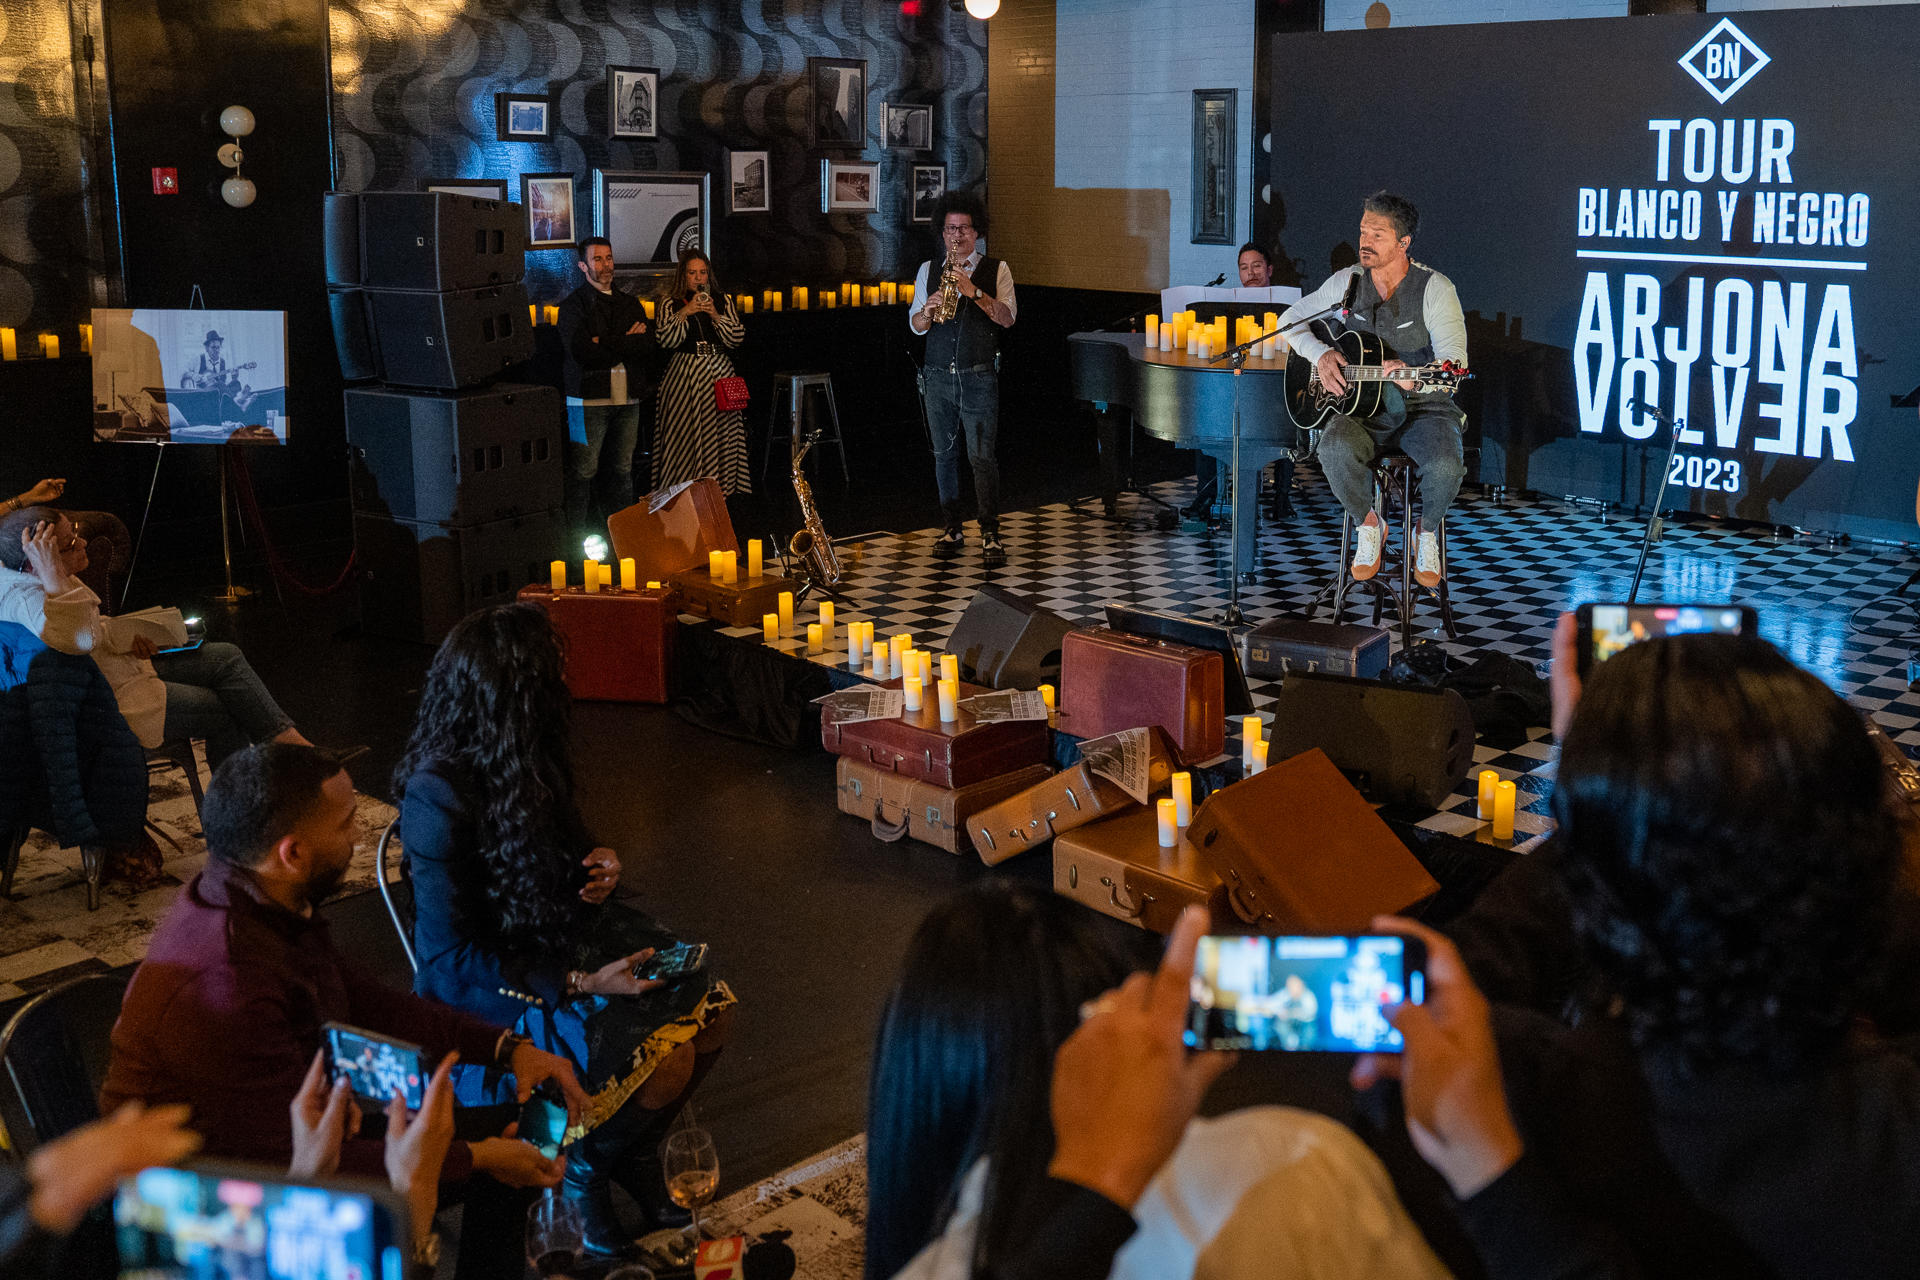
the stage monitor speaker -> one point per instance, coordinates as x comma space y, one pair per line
353, 335
447, 341
1401, 744
455, 459
1006, 641
342, 220
436, 242
422, 578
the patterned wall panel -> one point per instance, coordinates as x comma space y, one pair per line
414, 86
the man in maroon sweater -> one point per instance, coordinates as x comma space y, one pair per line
225, 1012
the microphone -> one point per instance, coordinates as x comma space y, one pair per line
1353, 288
1219, 279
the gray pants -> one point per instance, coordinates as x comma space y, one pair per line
1427, 432
213, 693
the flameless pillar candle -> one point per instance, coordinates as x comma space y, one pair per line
533, 313
799, 299
949, 701
1259, 758
86, 339
1169, 824
775, 306
950, 667
756, 558
557, 574
814, 643
552, 314
715, 562
906, 292
890, 293
653, 586
769, 627
1249, 734
1205, 349
786, 613
9, 345
729, 567
1505, 799
629, 575
1193, 340
826, 620
926, 667
1047, 695
50, 345
1153, 329
1183, 798
913, 687
648, 304
1166, 337
853, 650
606, 575
899, 646
1488, 781
766, 297
590, 573
746, 304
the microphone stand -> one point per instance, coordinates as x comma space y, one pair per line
1673, 426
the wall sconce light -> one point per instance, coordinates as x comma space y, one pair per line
236, 123
981, 9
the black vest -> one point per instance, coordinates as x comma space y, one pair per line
970, 338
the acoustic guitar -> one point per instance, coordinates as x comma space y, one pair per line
1310, 402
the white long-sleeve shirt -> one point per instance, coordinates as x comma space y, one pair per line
70, 622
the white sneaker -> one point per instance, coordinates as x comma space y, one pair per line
1366, 553
1426, 565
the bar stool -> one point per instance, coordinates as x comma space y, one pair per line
1392, 483
795, 384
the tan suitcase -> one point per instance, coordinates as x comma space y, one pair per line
898, 806
745, 603
1301, 851
1117, 867
677, 537
1071, 798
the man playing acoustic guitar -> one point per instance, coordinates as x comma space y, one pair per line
1414, 310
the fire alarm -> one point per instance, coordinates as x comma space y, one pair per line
166, 182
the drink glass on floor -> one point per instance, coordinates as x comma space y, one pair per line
554, 1235
692, 1169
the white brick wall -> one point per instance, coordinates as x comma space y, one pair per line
1123, 106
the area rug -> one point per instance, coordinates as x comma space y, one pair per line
817, 1208
46, 932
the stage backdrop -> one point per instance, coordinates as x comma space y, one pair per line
1716, 215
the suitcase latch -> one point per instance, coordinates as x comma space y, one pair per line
988, 837
933, 816
1072, 800
1113, 899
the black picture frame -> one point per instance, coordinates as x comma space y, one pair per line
1216, 127
924, 197
906, 126
837, 102
513, 122
478, 188
628, 117
652, 217
748, 176
548, 227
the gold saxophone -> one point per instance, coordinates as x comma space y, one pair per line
947, 305
810, 544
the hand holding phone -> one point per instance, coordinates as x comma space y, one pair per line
374, 1066
1327, 993
671, 965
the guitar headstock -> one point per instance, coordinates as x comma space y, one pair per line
1443, 375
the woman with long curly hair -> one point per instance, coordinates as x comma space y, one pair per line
512, 918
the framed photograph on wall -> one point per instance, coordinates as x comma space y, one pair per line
907, 126
839, 101
652, 219
633, 102
1216, 113
478, 188
849, 186
523, 117
929, 188
748, 187
548, 200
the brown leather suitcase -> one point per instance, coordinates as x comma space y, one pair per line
942, 816
1301, 851
956, 754
1117, 867
1069, 799
619, 644
678, 536
745, 603
1110, 681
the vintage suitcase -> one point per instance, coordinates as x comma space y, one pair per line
957, 754
1069, 799
1110, 681
745, 603
691, 521
619, 644
1117, 867
1298, 644
942, 816
1301, 851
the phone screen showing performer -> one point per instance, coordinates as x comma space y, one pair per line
374, 1066
1606, 629
246, 1224
1325, 992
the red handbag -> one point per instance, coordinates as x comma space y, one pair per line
730, 394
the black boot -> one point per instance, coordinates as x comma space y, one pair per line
586, 1184
639, 1173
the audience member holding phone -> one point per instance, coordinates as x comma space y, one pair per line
958, 1163
512, 918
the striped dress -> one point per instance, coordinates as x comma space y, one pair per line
692, 439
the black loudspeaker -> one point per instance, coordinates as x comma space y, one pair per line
422, 578
1006, 641
343, 237
458, 459
436, 242
353, 335
450, 340
1402, 744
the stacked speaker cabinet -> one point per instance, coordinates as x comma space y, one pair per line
455, 478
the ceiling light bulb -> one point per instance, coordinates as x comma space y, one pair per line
983, 9
238, 192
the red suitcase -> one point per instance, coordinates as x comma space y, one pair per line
619, 644
954, 754
1110, 681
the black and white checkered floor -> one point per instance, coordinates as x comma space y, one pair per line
1514, 566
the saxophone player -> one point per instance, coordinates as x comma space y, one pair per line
961, 311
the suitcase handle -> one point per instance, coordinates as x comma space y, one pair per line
1244, 902
1113, 900
889, 832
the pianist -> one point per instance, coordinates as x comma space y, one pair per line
1414, 310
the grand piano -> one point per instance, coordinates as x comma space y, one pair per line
1188, 402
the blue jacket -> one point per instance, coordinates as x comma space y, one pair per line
88, 780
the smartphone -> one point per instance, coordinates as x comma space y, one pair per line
673, 964
1324, 993
375, 1066
1606, 629
236, 1222
543, 1121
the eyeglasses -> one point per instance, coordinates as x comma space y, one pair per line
957, 231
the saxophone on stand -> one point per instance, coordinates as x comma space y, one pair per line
810, 545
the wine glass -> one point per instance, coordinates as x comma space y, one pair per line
691, 1166
555, 1236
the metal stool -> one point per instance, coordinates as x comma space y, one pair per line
795, 384
1392, 479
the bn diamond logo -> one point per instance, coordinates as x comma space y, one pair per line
1724, 60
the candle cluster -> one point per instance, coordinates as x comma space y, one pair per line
1497, 802
46, 344
1205, 339
594, 575
1253, 747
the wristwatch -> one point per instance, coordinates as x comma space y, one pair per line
504, 1051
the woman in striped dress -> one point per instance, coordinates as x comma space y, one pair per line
692, 438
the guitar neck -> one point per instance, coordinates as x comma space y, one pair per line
1374, 373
